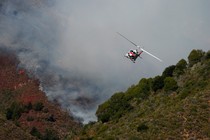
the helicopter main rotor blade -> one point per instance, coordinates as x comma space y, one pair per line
127, 39
151, 55
140, 47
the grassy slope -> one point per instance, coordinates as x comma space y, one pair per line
161, 117
182, 114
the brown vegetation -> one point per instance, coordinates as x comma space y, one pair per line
32, 110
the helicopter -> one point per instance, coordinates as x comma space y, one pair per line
135, 53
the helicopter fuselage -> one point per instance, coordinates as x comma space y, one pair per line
133, 55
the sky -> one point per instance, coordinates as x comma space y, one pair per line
73, 48
169, 30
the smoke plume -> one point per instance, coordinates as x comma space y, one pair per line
73, 73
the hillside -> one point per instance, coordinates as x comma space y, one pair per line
25, 112
174, 105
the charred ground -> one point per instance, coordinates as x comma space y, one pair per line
25, 112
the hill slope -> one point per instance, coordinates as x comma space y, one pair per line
25, 110
175, 105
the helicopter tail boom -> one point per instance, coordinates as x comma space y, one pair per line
151, 55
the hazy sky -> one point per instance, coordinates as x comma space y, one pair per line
168, 29
74, 43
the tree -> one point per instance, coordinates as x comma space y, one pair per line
35, 132
104, 117
144, 87
38, 106
180, 67
195, 57
114, 108
14, 111
168, 72
208, 55
170, 84
157, 83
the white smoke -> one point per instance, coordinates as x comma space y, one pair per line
72, 72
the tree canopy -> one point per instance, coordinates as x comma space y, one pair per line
195, 56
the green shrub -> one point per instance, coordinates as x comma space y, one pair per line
38, 106
14, 111
180, 67
103, 128
141, 90
105, 117
9, 114
144, 87
6, 96
35, 132
142, 127
201, 84
29, 106
168, 72
195, 57
157, 83
170, 84
114, 108
118, 104
207, 55
184, 93
17, 123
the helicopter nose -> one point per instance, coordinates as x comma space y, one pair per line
126, 55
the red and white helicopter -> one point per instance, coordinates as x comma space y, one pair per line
134, 54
